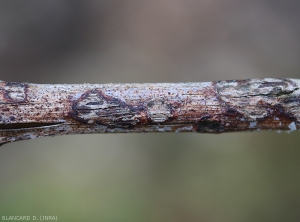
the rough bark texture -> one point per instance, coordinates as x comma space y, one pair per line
34, 110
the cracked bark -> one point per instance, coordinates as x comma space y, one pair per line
29, 111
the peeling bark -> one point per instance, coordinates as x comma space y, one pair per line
29, 111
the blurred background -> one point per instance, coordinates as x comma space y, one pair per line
151, 177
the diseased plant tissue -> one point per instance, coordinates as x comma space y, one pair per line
29, 111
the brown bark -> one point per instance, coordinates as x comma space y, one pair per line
35, 110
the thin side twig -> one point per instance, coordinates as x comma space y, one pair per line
35, 110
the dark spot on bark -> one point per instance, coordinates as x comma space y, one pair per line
232, 112
232, 118
12, 118
205, 117
209, 126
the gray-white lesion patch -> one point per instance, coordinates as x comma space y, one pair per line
14, 92
94, 107
252, 125
292, 126
158, 110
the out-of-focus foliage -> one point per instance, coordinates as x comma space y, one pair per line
151, 177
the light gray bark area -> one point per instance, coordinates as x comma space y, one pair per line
35, 110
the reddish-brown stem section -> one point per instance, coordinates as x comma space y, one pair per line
35, 110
